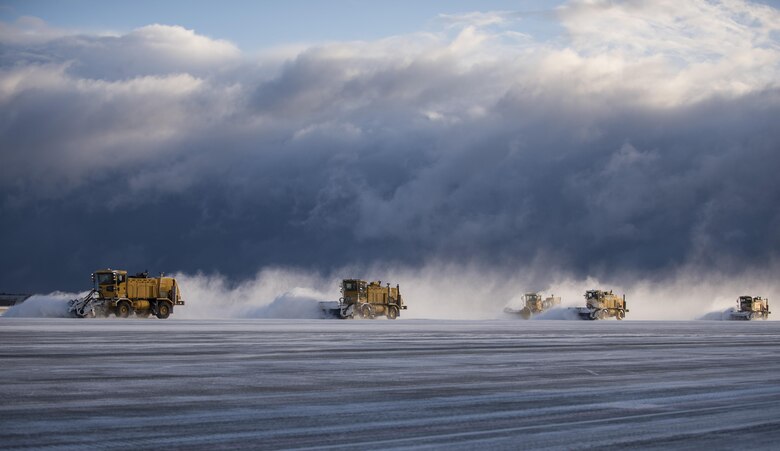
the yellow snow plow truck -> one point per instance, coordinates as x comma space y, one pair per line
361, 299
533, 304
751, 307
113, 291
602, 305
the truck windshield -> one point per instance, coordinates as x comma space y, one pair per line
349, 286
103, 279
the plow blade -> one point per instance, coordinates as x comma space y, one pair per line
335, 309
84, 307
584, 313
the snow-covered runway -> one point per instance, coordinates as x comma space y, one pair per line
388, 384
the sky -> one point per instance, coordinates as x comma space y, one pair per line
253, 26
625, 141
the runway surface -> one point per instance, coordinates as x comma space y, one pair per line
285, 384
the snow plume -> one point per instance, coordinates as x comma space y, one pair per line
479, 293
558, 313
273, 293
724, 315
52, 305
686, 295
452, 291
445, 291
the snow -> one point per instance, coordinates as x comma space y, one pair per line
260, 383
52, 305
718, 315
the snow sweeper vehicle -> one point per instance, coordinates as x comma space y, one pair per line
361, 299
751, 307
533, 304
113, 291
602, 305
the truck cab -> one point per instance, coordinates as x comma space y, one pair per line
533, 301
752, 307
353, 291
110, 283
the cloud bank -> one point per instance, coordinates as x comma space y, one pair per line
640, 145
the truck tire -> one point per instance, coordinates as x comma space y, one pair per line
392, 312
123, 309
620, 314
366, 311
163, 310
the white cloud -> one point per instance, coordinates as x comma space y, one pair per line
670, 52
182, 44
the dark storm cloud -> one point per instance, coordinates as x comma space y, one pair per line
418, 149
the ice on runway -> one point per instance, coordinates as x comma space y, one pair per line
389, 384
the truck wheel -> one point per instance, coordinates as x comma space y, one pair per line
163, 310
392, 312
123, 309
620, 314
366, 311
